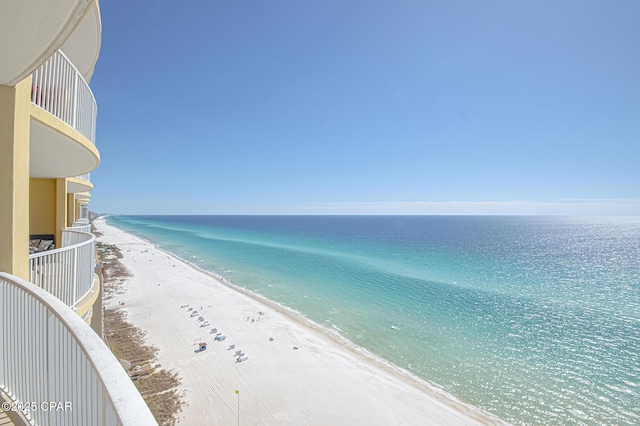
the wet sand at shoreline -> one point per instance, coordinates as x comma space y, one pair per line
295, 372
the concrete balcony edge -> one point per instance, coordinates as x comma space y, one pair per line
77, 184
53, 139
89, 299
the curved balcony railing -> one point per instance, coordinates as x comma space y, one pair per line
67, 272
86, 176
78, 226
51, 356
60, 89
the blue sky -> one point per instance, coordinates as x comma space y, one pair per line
420, 107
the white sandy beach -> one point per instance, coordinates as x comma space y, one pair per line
323, 382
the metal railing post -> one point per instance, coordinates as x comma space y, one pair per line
74, 99
75, 277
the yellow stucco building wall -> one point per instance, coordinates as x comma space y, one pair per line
15, 130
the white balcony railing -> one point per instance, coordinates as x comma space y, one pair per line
78, 226
51, 356
86, 176
60, 89
67, 272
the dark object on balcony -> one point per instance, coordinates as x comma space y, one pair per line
41, 242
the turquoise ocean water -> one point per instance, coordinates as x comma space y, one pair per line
534, 319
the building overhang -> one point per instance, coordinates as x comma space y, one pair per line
83, 197
76, 185
31, 31
57, 149
83, 45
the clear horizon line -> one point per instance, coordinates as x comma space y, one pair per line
567, 207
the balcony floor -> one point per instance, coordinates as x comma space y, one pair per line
4, 419
10, 418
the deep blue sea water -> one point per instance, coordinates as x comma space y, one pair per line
533, 319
